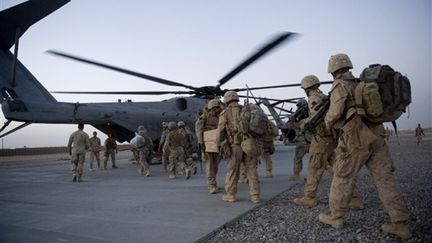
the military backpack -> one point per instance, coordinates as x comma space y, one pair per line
382, 94
256, 122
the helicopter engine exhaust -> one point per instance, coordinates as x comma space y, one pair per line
181, 104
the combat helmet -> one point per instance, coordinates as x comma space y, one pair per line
164, 124
172, 125
339, 61
230, 96
301, 103
309, 81
181, 124
141, 129
213, 103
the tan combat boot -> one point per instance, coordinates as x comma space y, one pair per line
305, 201
268, 174
255, 199
294, 177
399, 229
188, 174
213, 189
356, 203
229, 197
327, 218
147, 173
172, 175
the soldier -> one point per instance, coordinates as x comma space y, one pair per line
188, 147
303, 144
141, 150
231, 133
209, 121
95, 144
321, 151
78, 143
110, 150
175, 142
360, 143
419, 133
268, 148
161, 149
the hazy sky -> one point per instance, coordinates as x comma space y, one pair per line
198, 42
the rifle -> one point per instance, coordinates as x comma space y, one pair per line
322, 109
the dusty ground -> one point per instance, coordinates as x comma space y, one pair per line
280, 220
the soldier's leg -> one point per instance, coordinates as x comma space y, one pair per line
211, 169
80, 165
165, 159
381, 168
300, 151
74, 163
268, 163
105, 162
92, 157
315, 169
97, 155
251, 164
172, 164
145, 164
232, 176
113, 159
242, 172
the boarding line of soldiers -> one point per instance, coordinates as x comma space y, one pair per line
234, 143
176, 145
343, 144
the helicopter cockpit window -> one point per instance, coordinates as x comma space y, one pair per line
8, 94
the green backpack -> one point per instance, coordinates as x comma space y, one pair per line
382, 94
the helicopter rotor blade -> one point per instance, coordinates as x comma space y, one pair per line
278, 86
124, 92
274, 43
122, 70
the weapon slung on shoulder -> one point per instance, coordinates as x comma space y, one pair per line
321, 109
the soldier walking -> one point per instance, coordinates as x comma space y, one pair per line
230, 131
360, 143
78, 143
321, 149
141, 151
206, 122
175, 143
419, 133
95, 147
162, 149
110, 151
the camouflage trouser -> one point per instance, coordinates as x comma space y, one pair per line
358, 147
165, 157
232, 176
268, 161
211, 161
300, 152
419, 139
93, 155
107, 155
140, 155
176, 159
77, 163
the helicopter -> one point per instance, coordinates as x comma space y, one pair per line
25, 99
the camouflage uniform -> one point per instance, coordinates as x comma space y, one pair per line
360, 143
419, 133
208, 121
229, 130
142, 150
268, 149
188, 147
175, 143
163, 149
302, 148
110, 150
95, 147
78, 143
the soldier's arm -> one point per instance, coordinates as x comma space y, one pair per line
69, 145
221, 128
337, 105
199, 130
